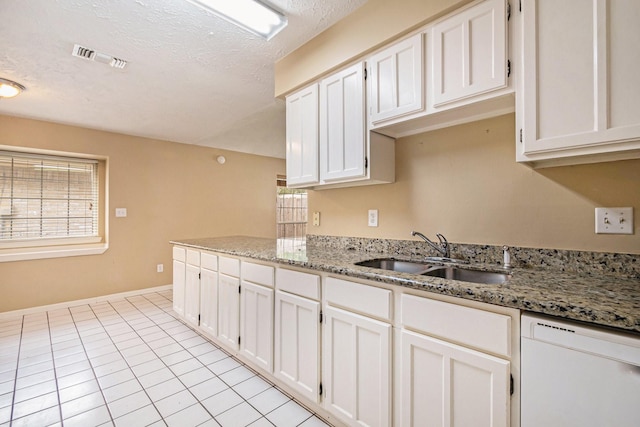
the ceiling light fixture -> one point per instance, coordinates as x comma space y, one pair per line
9, 89
251, 15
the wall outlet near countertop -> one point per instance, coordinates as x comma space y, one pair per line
316, 218
614, 220
373, 217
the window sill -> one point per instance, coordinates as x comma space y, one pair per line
44, 252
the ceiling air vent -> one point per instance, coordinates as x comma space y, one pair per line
92, 55
83, 52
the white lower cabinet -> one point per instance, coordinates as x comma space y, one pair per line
445, 374
209, 294
359, 354
297, 332
357, 368
356, 358
229, 302
229, 310
179, 272
443, 384
297, 344
192, 288
256, 314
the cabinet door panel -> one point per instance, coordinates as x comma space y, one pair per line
192, 295
228, 310
297, 343
396, 76
356, 368
256, 324
624, 59
209, 302
580, 95
179, 277
447, 385
302, 137
470, 52
342, 125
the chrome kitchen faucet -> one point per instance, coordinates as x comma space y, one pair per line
442, 247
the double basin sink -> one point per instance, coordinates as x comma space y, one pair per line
442, 271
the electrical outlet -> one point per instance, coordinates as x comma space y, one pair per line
316, 218
121, 212
614, 220
160, 268
373, 217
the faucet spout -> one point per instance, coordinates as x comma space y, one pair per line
442, 247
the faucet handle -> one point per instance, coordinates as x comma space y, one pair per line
506, 257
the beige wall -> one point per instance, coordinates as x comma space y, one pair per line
464, 182
170, 190
369, 27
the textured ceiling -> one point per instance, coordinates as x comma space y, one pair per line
191, 76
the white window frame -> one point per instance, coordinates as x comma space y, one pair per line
31, 249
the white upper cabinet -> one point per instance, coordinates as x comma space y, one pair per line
469, 52
342, 125
302, 137
328, 144
395, 78
454, 70
580, 93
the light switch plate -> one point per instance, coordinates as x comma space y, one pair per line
614, 220
373, 217
121, 212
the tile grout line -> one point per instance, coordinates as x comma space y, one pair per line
313, 414
206, 366
95, 376
113, 419
15, 377
153, 351
249, 368
113, 317
55, 371
160, 358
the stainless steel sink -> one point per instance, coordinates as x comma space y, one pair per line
445, 272
465, 275
395, 265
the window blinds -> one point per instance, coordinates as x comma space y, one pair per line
47, 197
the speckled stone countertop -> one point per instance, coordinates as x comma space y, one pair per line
601, 299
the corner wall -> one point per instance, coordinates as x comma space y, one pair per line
170, 190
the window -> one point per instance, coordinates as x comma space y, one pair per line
47, 201
291, 217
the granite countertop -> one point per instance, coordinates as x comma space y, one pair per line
604, 300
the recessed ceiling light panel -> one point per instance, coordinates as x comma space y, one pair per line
9, 88
251, 15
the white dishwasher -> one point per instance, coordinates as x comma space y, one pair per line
575, 375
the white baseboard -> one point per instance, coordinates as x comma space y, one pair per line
30, 310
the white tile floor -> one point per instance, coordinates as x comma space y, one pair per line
129, 362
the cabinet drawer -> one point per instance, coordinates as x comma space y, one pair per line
298, 283
209, 261
257, 273
463, 325
358, 297
179, 254
193, 257
229, 266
